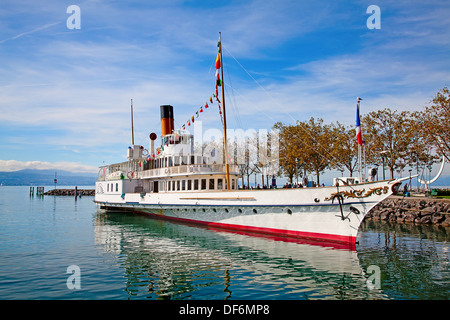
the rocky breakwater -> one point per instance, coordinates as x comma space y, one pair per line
412, 210
70, 192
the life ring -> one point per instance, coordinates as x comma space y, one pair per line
166, 171
130, 175
145, 152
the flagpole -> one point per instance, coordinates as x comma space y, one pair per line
132, 127
359, 163
360, 142
364, 160
227, 169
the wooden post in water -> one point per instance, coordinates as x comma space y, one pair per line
39, 191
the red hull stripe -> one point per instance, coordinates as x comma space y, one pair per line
350, 240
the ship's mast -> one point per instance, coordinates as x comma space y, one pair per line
132, 128
227, 169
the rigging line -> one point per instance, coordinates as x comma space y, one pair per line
274, 120
234, 107
233, 104
244, 98
267, 93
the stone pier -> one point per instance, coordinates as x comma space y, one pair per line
420, 210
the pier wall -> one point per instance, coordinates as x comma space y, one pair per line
412, 210
70, 192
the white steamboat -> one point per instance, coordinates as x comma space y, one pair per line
182, 186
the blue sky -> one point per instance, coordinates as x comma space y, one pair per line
65, 93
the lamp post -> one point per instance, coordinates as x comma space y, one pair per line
382, 153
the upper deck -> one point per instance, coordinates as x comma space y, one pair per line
133, 169
172, 159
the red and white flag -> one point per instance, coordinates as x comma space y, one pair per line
358, 125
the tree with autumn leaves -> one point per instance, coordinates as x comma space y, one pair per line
396, 139
305, 147
434, 123
312, 147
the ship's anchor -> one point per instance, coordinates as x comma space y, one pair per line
340, 199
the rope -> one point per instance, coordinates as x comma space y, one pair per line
280, 108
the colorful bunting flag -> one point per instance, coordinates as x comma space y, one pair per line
218, 64
218, 81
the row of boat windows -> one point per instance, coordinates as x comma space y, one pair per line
196, 184
183, 185
177, 139
112, 187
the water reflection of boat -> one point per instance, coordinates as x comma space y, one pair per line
166, 260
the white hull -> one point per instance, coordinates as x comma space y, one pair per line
310, 213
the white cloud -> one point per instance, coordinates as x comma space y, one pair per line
46, 26
14, 165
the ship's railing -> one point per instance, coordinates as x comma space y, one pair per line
185, 169
132, 170
113, 171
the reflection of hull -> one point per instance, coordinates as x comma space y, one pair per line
326, 214
182, 257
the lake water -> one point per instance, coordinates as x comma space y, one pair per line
62, 248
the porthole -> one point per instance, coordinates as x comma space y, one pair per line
354, 210
289, 211
254, 211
